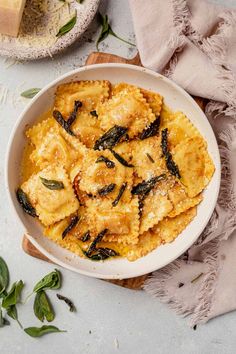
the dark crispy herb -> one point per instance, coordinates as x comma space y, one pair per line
59, 118
85, 237
25, 203
73, 114
106, 30
170, 164
68, 302
30, 93
92, 246
80, 1
121, 159
94, 113
4, 275
72, 224
194, 327
41, 331
110, 138
13, 297
197, 277
121, 191
52, 184
151, 130
68, 26
150, 157
181, 284
42, 307
109, 163
102, 254
12, 312
145, 187
50, 281
106, 189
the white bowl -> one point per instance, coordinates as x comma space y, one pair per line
177, 99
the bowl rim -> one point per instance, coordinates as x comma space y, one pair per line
7, 168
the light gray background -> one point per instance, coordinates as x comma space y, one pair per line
137, 322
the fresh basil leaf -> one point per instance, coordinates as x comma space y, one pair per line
50, 281
107, 30
42, 307
30, 93
52, 184
12, 298
4, 275
68, 26
41, 331
12, 312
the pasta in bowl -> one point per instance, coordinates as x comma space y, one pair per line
111, 172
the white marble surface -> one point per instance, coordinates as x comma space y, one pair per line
133, 320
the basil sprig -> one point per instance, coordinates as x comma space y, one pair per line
41, 331
4, 276
68, 26
13, 297
50, 281
106, 30
42, 307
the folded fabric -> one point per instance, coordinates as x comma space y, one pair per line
193, 42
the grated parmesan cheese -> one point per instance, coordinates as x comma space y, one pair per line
41, 22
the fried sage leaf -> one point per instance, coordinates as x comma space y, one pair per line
4, 275
71, 225
106, 189
150, 158
102, 253
110, 138
25, 203
145, 187
68, 302
52, 184
41, 331
42, 307
94, 113
92, 246
121, 191
50, 281
73, 114
86, 236
151, 130
30, 93
121, 159
13, 297
68, 26
60, 120
107, 30
109, 163
170, 164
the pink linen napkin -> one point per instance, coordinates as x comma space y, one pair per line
194, 43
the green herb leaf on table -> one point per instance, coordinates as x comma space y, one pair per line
3, 320
50, 281
36, 332
107, 30
13, 297
52, 184
68, 26
12, 312
4, 275
30, 93
68, 302
42, 307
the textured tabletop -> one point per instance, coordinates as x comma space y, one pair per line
109, 319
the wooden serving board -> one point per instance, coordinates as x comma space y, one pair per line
99, 58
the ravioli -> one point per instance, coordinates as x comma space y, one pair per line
128, 109
51, 205
195, 165
122, 182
